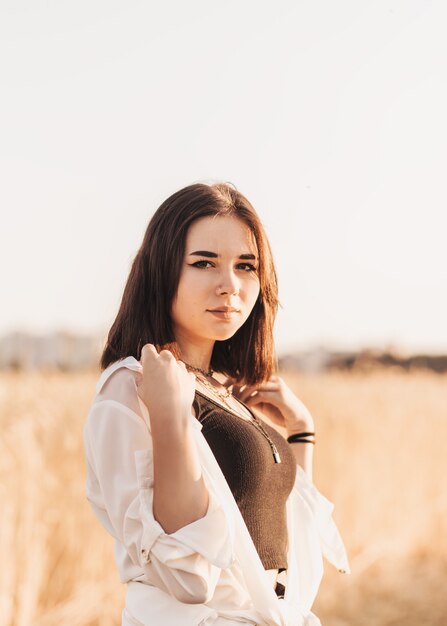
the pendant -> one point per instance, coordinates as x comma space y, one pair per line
276, 455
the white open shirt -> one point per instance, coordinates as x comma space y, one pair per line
207, 573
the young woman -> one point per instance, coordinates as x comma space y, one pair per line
215, 517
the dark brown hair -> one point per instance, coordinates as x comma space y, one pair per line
144, 315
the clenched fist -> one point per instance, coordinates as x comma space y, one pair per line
166, 387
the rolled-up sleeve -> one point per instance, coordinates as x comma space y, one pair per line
312, 535
189, 561
321, 509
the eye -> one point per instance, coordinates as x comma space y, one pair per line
202, 264
247, 267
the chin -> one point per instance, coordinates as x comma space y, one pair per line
224, 331
223, 337
225, 334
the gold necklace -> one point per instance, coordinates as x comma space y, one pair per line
256, 423
261, 429
210, 372
223, 395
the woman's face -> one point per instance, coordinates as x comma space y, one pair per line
219, 282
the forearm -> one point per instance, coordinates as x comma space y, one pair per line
180, 494
303, 453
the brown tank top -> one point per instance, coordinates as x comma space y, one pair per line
259, 485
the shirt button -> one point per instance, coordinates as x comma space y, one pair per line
146, 556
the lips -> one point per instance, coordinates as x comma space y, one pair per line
224, 309
224, 312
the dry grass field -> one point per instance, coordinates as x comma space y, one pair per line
380, 457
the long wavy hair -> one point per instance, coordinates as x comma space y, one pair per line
144, 314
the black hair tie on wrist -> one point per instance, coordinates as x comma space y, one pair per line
301, 438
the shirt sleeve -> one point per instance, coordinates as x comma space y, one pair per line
321, 509
189, 561
312, 535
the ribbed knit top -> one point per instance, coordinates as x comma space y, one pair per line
259, 485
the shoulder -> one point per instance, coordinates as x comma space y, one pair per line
118, 383
127, 367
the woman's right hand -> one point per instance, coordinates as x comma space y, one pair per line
165, 386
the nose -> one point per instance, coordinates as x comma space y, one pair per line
229, 284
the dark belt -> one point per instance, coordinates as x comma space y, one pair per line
280, 590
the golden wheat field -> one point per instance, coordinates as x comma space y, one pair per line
380, 457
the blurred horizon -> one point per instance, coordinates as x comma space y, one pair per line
67, 351
283, 346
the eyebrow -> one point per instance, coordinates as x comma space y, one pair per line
213, 255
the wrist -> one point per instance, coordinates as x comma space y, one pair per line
300, 427
303, 437
298, 420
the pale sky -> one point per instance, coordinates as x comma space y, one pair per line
330, 116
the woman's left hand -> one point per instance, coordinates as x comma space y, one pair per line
278, 402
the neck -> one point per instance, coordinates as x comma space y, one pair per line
198, 356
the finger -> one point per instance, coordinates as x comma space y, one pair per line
149, 347
268, 386
229, 382
148, 351
237, 390
138, 378
247, 393
260, 398
166, 355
